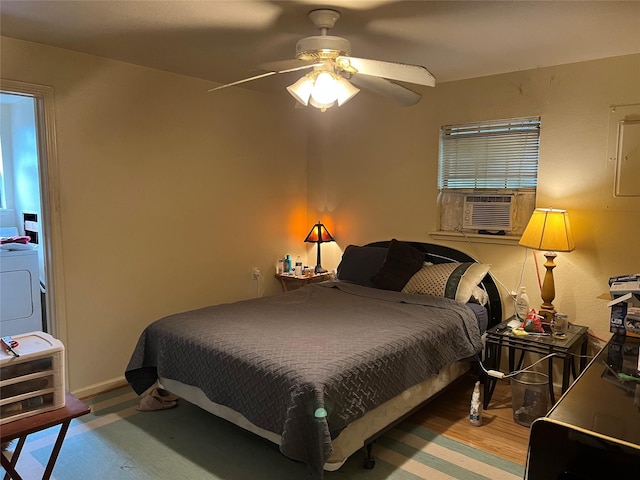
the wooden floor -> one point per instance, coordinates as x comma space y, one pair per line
499, 434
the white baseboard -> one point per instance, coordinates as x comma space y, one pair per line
101, 387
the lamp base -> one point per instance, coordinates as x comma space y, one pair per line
547, 310
319, 269
547, 313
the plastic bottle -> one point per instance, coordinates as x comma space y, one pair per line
475, 412
298, 268
522, 304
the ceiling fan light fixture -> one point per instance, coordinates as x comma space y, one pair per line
321, 106
346, 90
301, 89
325, 90
322, 89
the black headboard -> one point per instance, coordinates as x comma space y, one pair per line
441, 254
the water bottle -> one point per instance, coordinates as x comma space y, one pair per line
475, 412
298, 269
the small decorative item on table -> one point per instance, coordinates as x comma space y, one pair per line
533, 322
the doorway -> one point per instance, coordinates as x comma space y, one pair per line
29, 190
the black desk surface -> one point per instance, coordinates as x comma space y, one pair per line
599, 402
593, 432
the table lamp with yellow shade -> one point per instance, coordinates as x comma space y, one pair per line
549, 230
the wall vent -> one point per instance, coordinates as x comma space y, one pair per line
488, 212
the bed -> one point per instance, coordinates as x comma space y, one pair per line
323, 370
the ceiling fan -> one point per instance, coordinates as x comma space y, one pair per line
335, 74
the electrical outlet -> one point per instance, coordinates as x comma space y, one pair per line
256, 273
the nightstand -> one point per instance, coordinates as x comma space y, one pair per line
291, 282
565, 349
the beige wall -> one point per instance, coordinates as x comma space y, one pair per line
376, 165
169, 196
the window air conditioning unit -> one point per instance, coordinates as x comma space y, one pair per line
488, 212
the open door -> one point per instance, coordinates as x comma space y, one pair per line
29, 207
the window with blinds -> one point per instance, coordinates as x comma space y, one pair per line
498, 154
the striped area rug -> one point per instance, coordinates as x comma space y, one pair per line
117, 442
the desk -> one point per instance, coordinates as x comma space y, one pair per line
20, 429
565, 349
291, 282
593, 432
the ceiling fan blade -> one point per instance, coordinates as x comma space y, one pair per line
386, 88
267, 74
257, 77
394, 71
280, 65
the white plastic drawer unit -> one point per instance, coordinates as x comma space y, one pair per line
20, 306
33, 382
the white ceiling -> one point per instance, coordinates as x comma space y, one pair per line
226, 40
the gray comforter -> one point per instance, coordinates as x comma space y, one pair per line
306, 363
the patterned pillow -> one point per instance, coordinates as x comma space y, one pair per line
451, 280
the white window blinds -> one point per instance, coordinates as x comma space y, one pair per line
498, 154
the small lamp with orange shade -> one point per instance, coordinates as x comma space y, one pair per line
319, 234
